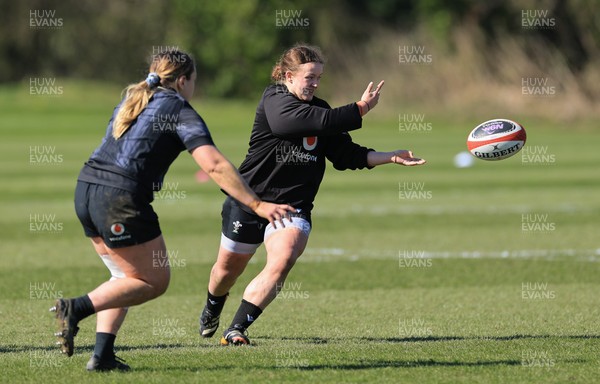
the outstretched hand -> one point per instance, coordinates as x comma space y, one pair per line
274, 212
370, 96
404, 157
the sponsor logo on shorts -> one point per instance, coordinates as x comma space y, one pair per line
118, 230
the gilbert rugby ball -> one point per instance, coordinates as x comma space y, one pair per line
496, 139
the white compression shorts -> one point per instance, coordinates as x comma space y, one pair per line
235, 246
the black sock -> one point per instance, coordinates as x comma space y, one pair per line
105, 343
246, 314
83, 307
215, 303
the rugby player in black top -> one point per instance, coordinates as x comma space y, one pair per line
147, 131
293, 133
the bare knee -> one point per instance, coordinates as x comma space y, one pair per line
229, 265
158, 285
161, 288
225, 272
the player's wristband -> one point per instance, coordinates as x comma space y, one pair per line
254, 205
361, 106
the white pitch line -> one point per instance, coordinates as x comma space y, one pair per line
337, 254
385, 210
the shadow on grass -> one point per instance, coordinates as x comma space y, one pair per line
89, 348
345, 367
408, 364
415, 339
493, 338
359, 364
306, 340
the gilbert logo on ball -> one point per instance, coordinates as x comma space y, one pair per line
496, 139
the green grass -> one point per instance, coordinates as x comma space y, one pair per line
355, 310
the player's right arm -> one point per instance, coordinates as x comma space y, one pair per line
216, 165
195, 136
289, 117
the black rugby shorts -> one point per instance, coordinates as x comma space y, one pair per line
120, 217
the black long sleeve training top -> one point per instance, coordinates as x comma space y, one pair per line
290, 141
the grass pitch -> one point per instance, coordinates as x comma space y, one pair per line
434, 274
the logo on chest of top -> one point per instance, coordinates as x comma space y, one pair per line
295, 155
309, 143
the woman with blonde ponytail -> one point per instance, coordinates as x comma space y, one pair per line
149, 128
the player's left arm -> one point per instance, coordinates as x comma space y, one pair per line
346, 154
400, 156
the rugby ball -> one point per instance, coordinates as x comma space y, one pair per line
496, 139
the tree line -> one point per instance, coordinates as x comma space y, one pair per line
237, 42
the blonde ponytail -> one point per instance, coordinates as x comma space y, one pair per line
137, 97
165, 69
